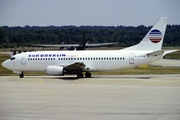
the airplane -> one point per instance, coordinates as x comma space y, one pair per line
59, 63
82, 46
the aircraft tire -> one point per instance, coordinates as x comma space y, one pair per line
80, 75
21, 75
87, 74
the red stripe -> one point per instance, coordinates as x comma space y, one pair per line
155, 39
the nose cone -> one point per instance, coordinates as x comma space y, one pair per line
7, 64
4, 64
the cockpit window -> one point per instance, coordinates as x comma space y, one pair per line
12, 58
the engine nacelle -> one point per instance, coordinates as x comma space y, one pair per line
54, 70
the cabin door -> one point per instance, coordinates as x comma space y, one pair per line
23, 60
131, 58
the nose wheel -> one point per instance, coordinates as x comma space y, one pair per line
21, 75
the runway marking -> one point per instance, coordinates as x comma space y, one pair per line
41, 81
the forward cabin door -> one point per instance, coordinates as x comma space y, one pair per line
23, 60
131, 58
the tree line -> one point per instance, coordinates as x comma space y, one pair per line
13, 37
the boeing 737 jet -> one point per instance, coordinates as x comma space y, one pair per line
59, 63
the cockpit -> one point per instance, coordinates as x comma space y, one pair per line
12, 58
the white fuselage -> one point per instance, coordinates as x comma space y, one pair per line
94, 60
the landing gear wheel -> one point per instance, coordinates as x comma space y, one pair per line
88, 74
21, 75
80, 75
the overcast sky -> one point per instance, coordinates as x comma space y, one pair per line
87, 12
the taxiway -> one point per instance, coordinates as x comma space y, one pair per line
126, 97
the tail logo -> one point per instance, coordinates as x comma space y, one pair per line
155, 36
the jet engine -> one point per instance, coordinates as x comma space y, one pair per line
55, 70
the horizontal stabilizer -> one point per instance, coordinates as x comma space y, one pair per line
156, 53
169, 51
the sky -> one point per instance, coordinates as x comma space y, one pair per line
87, 12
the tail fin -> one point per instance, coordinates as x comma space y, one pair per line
154, 38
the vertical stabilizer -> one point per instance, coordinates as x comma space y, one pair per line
154, 38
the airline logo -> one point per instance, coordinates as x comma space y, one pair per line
47, 55
155, 36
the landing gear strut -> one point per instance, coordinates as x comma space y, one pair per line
80, 75
87, 75
21, 75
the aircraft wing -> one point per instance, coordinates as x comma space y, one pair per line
75, 66
100, 44
56, 45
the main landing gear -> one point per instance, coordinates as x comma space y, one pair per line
21, 75
87, 75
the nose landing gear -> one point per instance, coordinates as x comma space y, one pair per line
21, 75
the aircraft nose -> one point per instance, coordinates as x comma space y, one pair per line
4, 64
